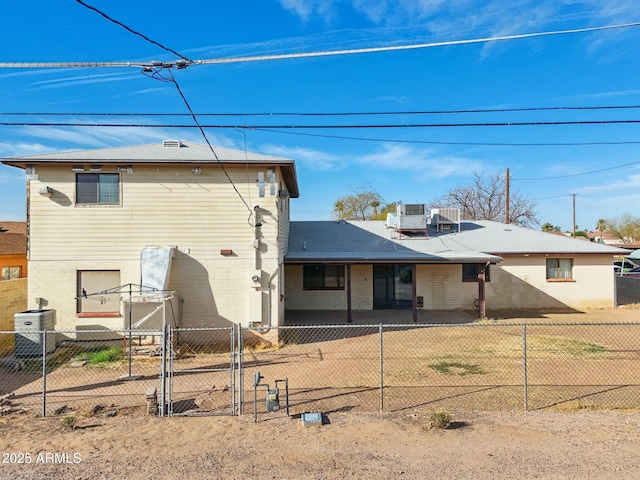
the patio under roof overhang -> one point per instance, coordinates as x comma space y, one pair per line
413, 258
418, 258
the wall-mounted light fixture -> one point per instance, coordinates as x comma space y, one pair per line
77, 168
197, 171
95, 168
46, 191
125, 168
226, 252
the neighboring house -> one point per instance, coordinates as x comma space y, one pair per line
365, 265
172, 216
13, 266
13, 250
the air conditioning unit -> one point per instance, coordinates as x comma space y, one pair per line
445, 218
411, 217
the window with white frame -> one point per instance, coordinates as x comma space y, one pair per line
11, 273
98, 188
559, 268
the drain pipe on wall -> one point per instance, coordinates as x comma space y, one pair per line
270, 296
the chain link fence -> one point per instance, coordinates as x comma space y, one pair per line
474, 367
227, 371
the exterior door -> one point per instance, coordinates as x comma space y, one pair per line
392, 286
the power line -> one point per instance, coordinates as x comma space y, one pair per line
328, 114
433, 142
155, 73
184, 62
578, 174
329, 127
130, 30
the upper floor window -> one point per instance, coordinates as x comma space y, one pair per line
559, 268
98, 188
471, 271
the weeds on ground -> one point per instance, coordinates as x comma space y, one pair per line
70, 422
101, 357
440, 419
457, 368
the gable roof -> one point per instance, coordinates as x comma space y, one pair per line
477, 242
13, 243
168, 152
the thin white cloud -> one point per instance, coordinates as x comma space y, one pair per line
424, 164
630, 182
10, 149
308, 157
81, 80
93, 137
11, 176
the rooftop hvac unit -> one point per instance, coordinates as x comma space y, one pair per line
411, 217
445, 218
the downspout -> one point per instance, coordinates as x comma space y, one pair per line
270, 296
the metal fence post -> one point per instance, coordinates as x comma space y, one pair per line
44, 373
163, 371
524, 363
381, 372
232, 368
240, 371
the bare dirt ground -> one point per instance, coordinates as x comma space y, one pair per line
542, 444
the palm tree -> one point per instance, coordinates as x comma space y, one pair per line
547, 227
601, 226
340, 208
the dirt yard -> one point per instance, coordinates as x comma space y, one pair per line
541, 444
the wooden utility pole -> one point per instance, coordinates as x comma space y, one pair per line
506, 208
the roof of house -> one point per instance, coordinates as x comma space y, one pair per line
168, 152
13, 227
13, 238
477, 242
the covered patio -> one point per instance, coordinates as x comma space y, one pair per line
376, 317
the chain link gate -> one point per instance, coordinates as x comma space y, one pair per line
198, 371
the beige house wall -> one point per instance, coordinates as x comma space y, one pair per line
519, 282
199, 215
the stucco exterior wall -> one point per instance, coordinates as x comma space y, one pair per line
519, 282
198, 215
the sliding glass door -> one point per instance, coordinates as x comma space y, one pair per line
392, 286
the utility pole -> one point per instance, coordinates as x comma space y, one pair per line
506, 208
574, 214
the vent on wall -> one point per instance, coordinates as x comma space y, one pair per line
172, 144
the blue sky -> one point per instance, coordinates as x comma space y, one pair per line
595, 69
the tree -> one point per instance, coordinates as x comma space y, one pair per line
362, 204
485, 199
601, 226
547, 227
626, 227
